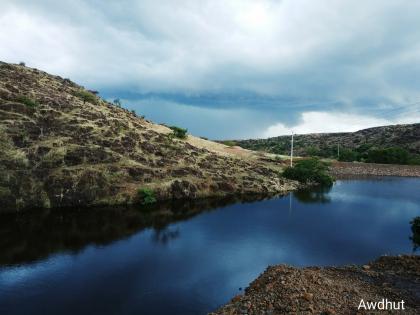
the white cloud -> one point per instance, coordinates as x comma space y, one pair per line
303, 52
320, 122
334, 49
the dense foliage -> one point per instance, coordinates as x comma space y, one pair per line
179, 132
146, 196
309, 171
393, 155
27, 101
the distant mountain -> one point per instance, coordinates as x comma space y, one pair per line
403, 136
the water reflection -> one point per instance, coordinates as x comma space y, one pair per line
34, 235
165, 235
415, 229
170, 260
316, 195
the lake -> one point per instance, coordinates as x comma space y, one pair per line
191, 258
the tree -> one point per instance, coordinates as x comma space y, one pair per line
117, 102
309, 171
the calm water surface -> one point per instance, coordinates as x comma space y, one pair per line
190, 259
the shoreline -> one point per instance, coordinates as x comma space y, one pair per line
283, 289
343, 169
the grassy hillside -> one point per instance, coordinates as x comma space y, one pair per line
364, 144
62, 145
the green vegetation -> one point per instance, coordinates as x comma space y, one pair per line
86, 96
4, 193
397, 144
146, 196
347, 155
27, 101
117, 102
393, 155
312, 151
309, 171
178, 132
229, 143
388, 156
415, 229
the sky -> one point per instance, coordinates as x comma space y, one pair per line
229, 69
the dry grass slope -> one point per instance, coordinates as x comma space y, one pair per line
61, 145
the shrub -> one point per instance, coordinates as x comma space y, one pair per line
27, 101
86, 96
117, 102
22, 64
133, 112
348, 155
414, 159
178, 132
309, 171
313, 151
388, 156
229, 143
147, 196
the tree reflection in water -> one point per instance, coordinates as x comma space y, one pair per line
163, 236
35, 234
415, 229
318, 194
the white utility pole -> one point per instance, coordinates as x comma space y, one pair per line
291, 152
338, 151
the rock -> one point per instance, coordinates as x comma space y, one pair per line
366, 267
340, 289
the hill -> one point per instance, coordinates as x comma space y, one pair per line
63, 146
406, 137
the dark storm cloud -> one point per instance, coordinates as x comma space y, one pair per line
276, 59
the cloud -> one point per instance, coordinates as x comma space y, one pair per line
215, 123
280, 58
319, 122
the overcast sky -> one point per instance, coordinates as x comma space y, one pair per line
231, 69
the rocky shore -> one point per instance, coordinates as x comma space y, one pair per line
345, 169
332, 290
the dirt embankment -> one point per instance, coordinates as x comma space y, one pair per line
332, 290
344, 169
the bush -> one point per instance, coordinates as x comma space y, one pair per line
414, 159
309, 171
347, 155
117, 102
229, 143
86, 96
28, 101
388, 156
313, 151
147, 196
178, 132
